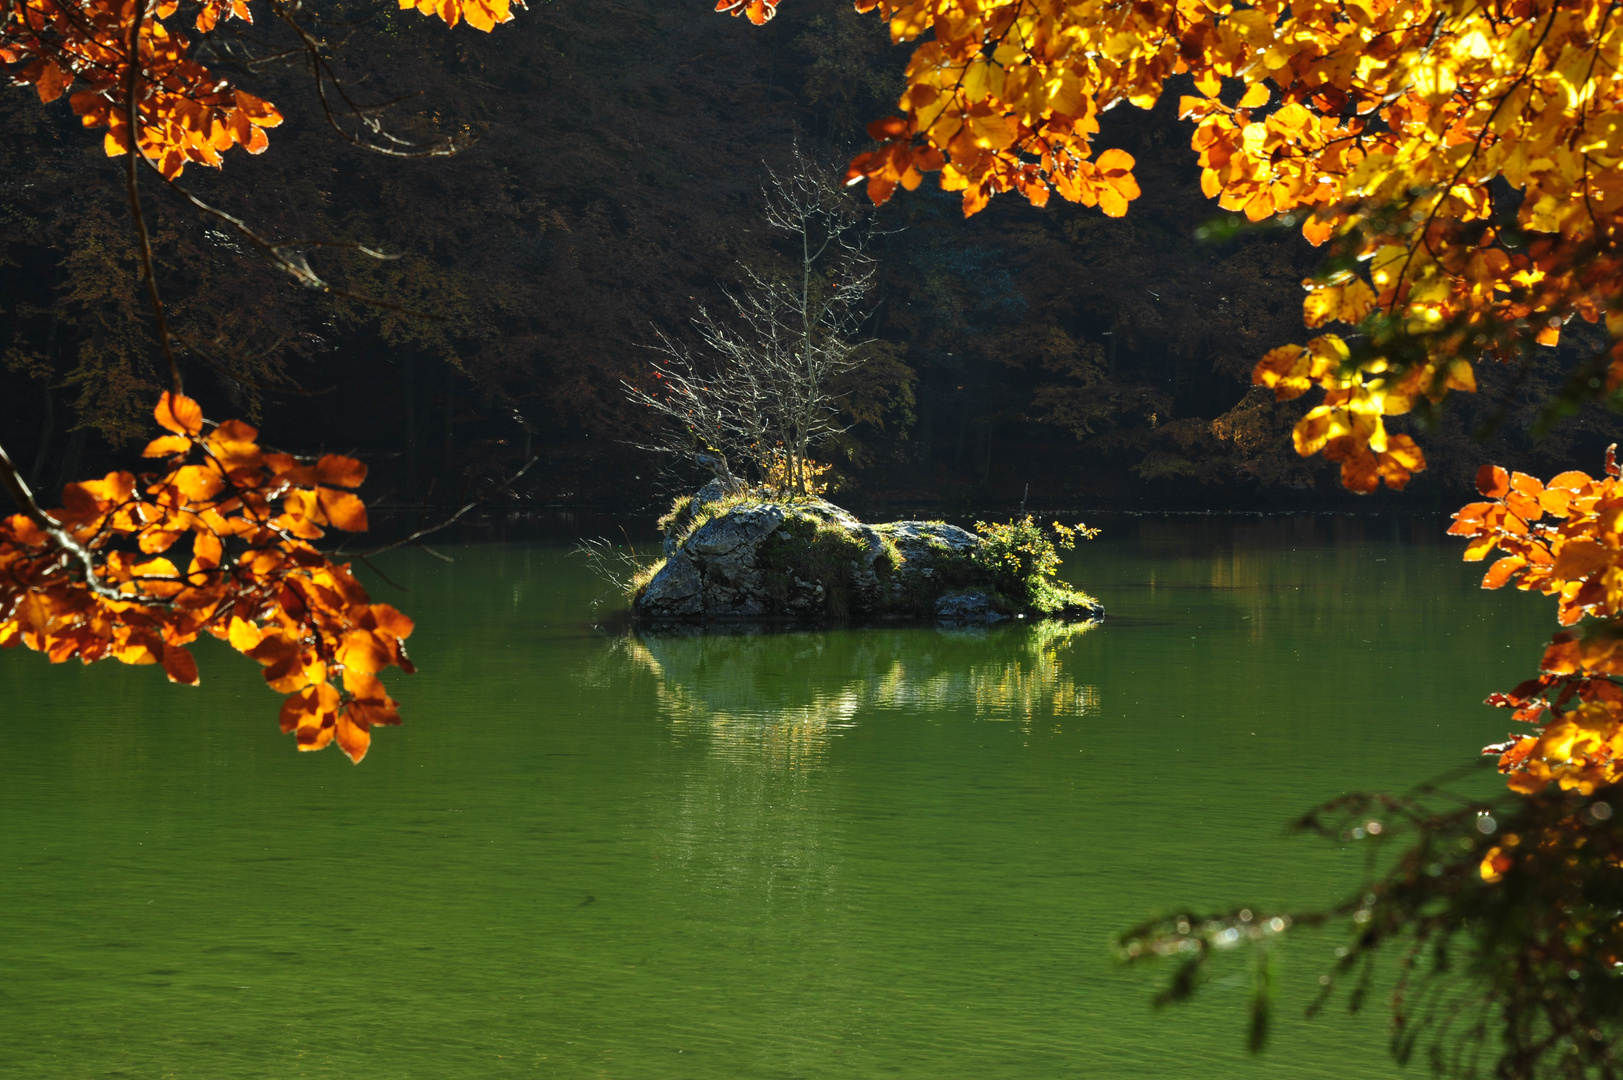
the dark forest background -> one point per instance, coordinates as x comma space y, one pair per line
614, 187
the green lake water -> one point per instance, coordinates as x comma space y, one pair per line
894, 852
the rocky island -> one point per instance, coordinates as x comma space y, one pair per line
744, 556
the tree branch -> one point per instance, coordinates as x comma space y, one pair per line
17, 487
132, 158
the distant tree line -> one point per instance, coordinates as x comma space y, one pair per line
612, 188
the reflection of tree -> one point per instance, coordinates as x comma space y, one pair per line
758, 859
787, 695
1025, 680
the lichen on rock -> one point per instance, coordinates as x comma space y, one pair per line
743, 557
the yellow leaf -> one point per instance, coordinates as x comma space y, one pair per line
1256, 94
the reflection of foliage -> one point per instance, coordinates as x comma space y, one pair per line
795, 691
1505, 916
1027, 686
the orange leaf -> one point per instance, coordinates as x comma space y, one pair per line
52, 82
1493, 481
260, 112
243, 635
33, 614
353, 738
1527, 485
339, 471
179, 665
1256, 94
1571, 481
166, 445
344, 510
155, 540
1501, 571
363, 651
198, 483
181, 415
391, 621
1316, 231
312, 709
1580, 558
891, 127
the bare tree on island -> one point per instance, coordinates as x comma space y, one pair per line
759, 388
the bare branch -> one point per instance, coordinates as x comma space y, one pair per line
760, 388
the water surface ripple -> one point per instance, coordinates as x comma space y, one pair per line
874, 852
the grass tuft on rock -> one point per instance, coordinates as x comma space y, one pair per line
639, 581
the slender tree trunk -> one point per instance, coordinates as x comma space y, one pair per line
70, 460
49, 413
408, 391
450, 419
926, 423
963, 429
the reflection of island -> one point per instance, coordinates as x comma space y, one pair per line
791, 692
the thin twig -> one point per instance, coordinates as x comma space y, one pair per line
454, 518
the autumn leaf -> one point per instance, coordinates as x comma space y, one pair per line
1560, 539
1493, 481
343, 510
198, 483
757, 11
181, 415
1500, 572
167, 445
353, 738
339, 471
179, 665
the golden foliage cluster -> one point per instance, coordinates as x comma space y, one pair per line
101, 577
1384, 124
185, 112
1563, 539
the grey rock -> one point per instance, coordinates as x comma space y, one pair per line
726, 570
741, 531
926, 542
714, 491
972, 607
674, 592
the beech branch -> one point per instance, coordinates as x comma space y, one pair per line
17, 487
